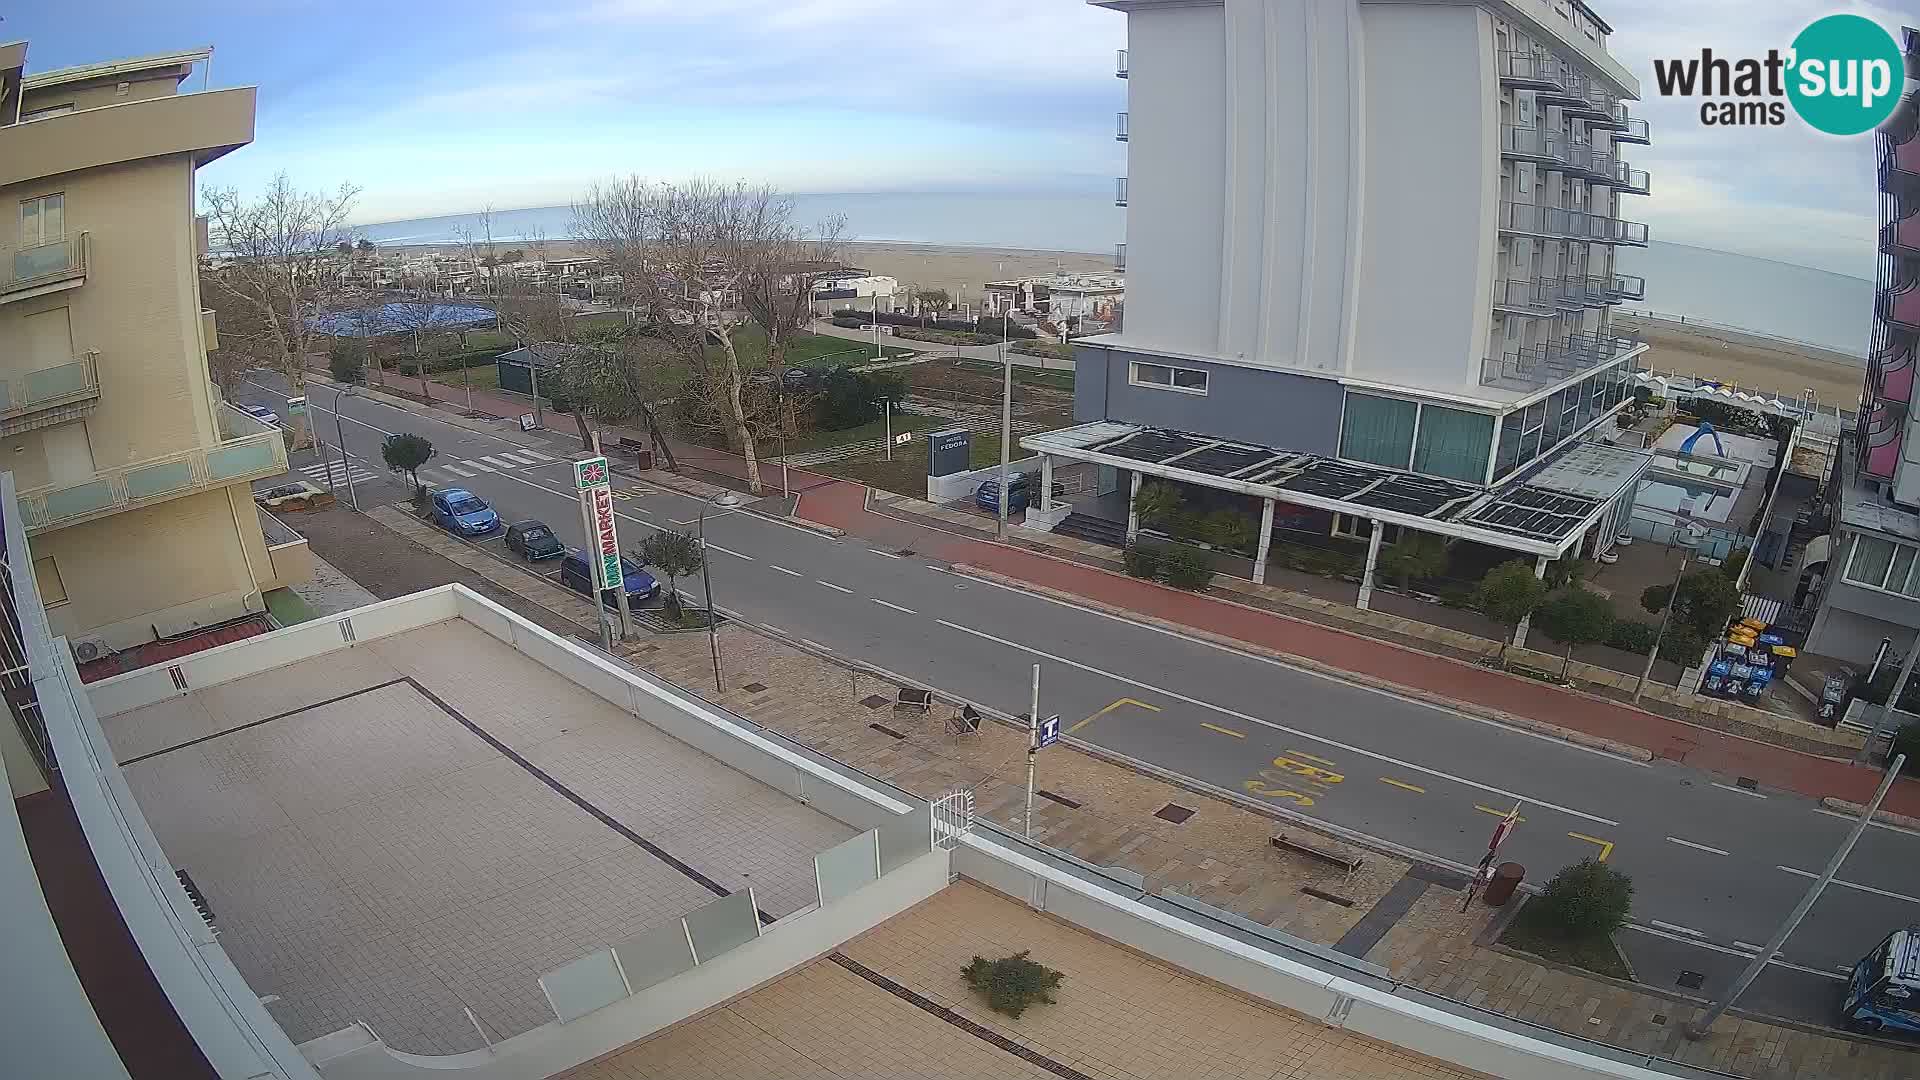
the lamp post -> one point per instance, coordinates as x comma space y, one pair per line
1006, 426
346, 465
725, 499
1687, 548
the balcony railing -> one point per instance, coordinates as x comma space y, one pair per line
1571, 92
1120, 127
1906, 156
1531, 70
1632, 129
1534, 366
25, 394
1622, 177
1534, 144
1626, 287
110, 491
1631, 233
1553, 222
32, 270
1902, 309
1119, 191
1901, 237
1514, 296
1596, 105
1119, 256
1120, 63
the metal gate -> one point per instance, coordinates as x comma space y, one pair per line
952, 818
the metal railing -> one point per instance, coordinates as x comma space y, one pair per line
59, 385
1516, 296
1632, 233
1627, 287
1621, 177
1532, 144
1632, 129
1531, 69
1120, 63
1556, 222
1119, 191
108, 491
1538, 365
1120, 127
45, 264
1119, 256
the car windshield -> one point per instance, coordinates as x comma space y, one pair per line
628, 567
537, 533
466, 506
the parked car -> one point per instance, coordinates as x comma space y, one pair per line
577, 574
299, 495
262, 414
1019, 493
532, 541
463, 513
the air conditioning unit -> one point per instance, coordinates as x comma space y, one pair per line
90, 649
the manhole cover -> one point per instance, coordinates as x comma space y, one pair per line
754, 687
1174, 812
1660, 1019
875, 701
1691, 980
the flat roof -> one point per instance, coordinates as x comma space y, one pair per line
111, 68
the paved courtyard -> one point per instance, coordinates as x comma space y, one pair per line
393, 831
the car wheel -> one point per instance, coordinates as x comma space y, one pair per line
1864, 1025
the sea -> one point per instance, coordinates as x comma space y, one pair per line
1741, 292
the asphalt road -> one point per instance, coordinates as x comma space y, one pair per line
1714, 867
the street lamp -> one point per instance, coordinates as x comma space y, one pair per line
728, 500
339, 436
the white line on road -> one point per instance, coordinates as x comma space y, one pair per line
809, 642
1694, 846
883, 554
501, 461
1737, 790
455, 469
784, 570
895, 607
730, 551
472, 464
1719, 948
534, 454
1377, 756
831, 585
1875, 824
1853, 885
1750, 946
1677, 928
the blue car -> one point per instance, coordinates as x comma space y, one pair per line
1019, 493
577, 574
463, 513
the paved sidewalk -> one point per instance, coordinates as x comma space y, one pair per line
1218, 854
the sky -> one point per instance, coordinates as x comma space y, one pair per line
437, 108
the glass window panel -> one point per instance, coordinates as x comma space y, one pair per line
241, 457
1556, 427
1871, 558
1902, 568
1509, 454
1453, 443
1378, 430
1190, 378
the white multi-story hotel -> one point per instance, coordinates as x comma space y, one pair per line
1378, 234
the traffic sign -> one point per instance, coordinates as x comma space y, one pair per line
1503, 830
903, 438
1049, 732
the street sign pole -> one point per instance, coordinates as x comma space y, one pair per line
1481, 874
1033, 746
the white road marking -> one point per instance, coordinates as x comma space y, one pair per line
1750, 946
831, 585
455, 469
534, 454
1875, 824
1677, 928
472, 464
810, 643
895, 607
730, 551
784, 570
1700, 943
883, 554
1853, 885
1694, 846
1737, 790
1377, 756
505, 464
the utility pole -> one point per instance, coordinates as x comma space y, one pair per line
1893, 697
1699, 1028
1033, 738
876, 326
1666, 616
533, 377
1006, 428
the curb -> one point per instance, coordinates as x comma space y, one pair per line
1538, 727
1884, 817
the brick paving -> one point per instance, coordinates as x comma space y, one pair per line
1219, 855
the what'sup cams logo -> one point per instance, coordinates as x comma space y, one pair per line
1842, 75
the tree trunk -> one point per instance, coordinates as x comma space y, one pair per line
586, 434
737, 412
298, 427
1567, 667
659, 438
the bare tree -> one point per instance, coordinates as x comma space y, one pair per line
280, 248
780, 273
683, 252
419, 315
478, 246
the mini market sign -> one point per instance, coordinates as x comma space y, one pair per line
594, 481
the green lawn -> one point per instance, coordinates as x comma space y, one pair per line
1530, 933
287, 607
820, 440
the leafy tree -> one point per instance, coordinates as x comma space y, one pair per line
848, 399
406, 452
1706, 600
1574, 618
346, 358
1155, 502
1587, 900
1508, 594
1417, 555
675, 554
1012, 983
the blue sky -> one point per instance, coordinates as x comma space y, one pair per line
437, 108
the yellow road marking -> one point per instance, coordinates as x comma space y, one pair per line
1313, 773
1223, 731
1309, 757
1398, 784
1606, 846
1497, 813
1110, 708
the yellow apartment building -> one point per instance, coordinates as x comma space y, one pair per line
134, 476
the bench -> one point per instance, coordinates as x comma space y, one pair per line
631, 446
1349, 863
912, 697
965, 722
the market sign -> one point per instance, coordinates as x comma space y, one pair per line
589, 472
595, 483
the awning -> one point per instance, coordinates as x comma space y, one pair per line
1819, 550
1544, 512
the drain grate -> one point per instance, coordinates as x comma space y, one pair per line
905, 553
1659, 1019
1331, 898
1691, 980
875, 701
1174, 812
1061, 799
1747, 783
885, 730
754, 687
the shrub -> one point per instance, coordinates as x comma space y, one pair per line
848, 399
1682, 645
1143, 561
1907, 741
1632, 636
1188, 568
1012, 983
1587, 900
1232, 530
1507, 594
343, 362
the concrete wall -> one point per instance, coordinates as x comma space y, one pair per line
1273, 408
209, 545
962, 484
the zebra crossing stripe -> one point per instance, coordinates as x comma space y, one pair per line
505, 464
472, 464
534, 454
455, 470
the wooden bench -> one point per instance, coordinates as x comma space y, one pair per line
1349, 863
631, 446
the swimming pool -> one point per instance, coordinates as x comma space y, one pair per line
1702, 501
402, 316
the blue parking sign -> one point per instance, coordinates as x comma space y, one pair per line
1049, 732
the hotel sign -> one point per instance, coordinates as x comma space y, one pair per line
595, 483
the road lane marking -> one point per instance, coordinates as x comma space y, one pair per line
814, 644
1237, 715
454, 469
501, 462
1221, 730
1309, 757
883, 554
1404, 786
1737, 790
1696, 847
784, 570
1498, 813
1606, 846
1677, 928
831, 585
730, 551
1110, 708
534, 454
1701, 943
474, 464
1875, 824
1752, 948
1853, 885
896, 607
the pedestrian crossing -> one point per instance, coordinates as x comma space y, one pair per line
452, 471
331, 474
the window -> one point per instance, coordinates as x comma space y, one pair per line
1378, 430
42, 114
1354, 527
1164, 377
1453, 443
1879, 563
43, 220
47, 576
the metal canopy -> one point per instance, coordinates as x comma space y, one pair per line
1544, 512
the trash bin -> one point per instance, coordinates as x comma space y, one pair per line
1506, 878
643, 459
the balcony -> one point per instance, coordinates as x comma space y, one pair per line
1119, 191
1520, 142
1553, 223
243, 459
1532, 299
1119, 257
1903, 161
1593, 164
1901, 237
1630, 233
1631, 129
1120, 127
52, 395
203, 126
1597, 105
48, 268
1572, 92
1623, 178
1626, 287
1901, 309
1120, 63
1590, 290
1531, 71
1534, 366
